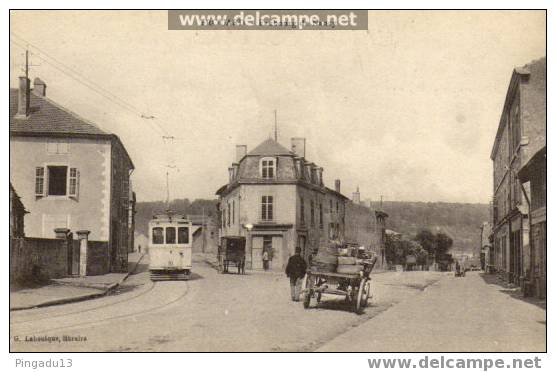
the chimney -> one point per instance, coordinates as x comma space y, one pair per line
24, 97
39, 87
298, 146
241, 151
319, 171
337, 185
231, 174
356, 197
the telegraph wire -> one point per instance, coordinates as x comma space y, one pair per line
94, 87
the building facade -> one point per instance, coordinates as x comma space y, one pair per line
486, 251
276, 200
533, 177
69, 173
520, 134
366, 227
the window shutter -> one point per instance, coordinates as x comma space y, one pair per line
39, 181
73, 183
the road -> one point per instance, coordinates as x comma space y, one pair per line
211, 312
470, 314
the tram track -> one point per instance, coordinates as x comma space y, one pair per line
110, 318
143, 293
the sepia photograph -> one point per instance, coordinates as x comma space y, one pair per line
278, 181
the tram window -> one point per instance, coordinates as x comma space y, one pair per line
183, 235
170, 235
158, 235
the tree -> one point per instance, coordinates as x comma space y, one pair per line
427, 240
443, 244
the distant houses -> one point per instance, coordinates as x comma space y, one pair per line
69, 174
519, 161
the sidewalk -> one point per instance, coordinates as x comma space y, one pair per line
66, 290
468, 314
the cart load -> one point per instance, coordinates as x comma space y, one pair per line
340, 271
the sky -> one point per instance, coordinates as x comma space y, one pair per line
407, 109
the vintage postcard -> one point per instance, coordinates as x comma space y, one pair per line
278, 181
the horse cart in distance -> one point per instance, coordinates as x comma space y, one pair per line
354, 287
231, 252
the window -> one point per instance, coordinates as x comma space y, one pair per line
39, 181
74, 182
267, 213
57, 180
330, 206
183, 235
312, 213
224, 218
332, 230
321, 225
268, 167
158, 236
229, 212
302, 211
233, 212
170, 235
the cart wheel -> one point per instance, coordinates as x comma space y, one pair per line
366, 293
358, 303
307, 298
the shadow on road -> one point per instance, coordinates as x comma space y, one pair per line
512, 291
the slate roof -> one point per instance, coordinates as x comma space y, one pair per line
268, 148
47, 117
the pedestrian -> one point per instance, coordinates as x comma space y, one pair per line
295, 270
266, 259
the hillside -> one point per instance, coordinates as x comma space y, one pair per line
146, 210
461, 221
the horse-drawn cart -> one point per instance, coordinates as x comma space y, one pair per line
231, 252
355, 287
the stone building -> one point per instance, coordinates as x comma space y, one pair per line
486, 251
69, 173
521, 134
275, 200
533, 176
366, 227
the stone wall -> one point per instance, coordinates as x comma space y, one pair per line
98, 261
37, 259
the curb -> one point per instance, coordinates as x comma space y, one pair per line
63, 301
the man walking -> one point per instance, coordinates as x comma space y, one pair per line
266, 258
295, 270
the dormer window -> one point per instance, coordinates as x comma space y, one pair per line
268, 168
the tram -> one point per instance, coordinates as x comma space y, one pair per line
170, 245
